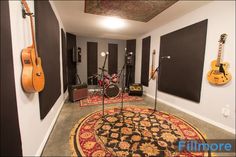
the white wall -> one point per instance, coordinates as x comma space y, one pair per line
34, 131
221, 19
102, 47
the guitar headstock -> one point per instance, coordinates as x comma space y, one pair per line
25, 5
26, 9
223, 38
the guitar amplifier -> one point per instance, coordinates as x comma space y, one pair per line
78, 92
136, 89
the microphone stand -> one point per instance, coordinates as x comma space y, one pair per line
123, 86
156, 71
103, 84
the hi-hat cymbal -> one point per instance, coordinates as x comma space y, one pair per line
94, 76
90, 77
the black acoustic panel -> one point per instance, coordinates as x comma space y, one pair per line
64, 60
112, 58
145, 61
9, 124
181, 75
48, 43
131, 47
71, 65
92, 61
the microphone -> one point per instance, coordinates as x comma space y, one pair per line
104, 54
167, 57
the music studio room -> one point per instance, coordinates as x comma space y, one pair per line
118, 78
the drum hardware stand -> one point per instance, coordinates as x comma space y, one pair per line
95, 90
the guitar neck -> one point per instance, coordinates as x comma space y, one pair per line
219, 56
27, 9
153, 59
33, 35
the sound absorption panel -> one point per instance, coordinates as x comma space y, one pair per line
145, 61
71, 45
48, 43
181, 75
92, 61
112, 58
9, 124
131, 47
64, 60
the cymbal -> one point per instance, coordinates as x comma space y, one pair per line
103, 69
90, 77
94, 76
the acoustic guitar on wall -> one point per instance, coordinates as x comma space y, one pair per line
218, 75
153, 72
32, 77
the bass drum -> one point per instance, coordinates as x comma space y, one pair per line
112, 91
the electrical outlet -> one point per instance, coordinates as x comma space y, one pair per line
225, 112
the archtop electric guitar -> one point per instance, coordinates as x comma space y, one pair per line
218, 75
32, 77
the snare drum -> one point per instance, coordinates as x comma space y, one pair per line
112, 91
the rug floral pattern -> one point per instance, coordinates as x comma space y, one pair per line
96, 99
134, 132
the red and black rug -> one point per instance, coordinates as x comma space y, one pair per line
96, 99
136, 131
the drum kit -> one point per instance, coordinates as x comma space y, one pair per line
110, 82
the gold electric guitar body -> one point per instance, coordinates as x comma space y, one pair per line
219, 74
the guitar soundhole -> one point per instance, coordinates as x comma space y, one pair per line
27, 61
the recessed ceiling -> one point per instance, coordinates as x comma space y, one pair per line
76, 21
142, 11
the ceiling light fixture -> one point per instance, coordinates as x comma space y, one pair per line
113, 23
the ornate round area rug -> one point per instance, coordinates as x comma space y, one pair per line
136, 131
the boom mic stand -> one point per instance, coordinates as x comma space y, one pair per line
156, 71
103, 84
123, 86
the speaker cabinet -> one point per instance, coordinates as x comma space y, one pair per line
136, 89
78, 92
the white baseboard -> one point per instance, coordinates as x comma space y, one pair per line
217, 124
41, 147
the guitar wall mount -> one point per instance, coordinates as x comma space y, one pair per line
24, 13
